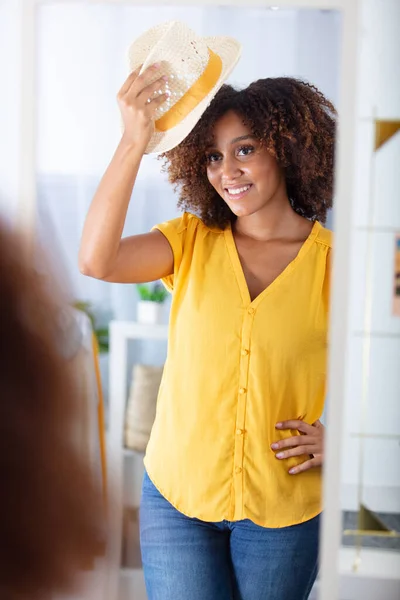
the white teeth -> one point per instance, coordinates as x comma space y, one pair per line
233, 192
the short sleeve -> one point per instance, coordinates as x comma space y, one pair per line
176, 231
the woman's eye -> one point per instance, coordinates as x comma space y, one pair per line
245, 150
211, 158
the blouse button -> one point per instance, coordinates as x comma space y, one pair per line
238, 470
239, 431
251, 311
242, 390
244, 352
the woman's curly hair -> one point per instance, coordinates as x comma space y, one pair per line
294, 121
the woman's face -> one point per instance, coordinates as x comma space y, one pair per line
241, 170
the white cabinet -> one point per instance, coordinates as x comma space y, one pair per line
125, 468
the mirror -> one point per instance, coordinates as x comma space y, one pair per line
81, 62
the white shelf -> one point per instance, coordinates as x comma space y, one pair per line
132, 453
121, 332
129, 330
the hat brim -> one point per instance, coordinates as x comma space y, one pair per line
229, 50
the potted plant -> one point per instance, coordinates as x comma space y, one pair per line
150, 306
101, 332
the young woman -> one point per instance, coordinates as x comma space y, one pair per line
232, 490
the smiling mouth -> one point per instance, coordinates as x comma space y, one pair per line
239, 192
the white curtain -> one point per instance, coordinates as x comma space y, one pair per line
82, 50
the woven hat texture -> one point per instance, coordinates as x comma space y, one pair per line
183, 57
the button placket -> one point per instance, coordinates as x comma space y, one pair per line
242, 395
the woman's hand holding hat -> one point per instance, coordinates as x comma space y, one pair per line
196, 67
138, 101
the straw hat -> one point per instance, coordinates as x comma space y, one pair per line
196, 68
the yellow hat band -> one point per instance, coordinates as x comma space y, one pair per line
195, 94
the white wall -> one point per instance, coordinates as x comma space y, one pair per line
10, 56
373, 391
318, 49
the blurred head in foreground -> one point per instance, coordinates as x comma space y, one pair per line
50, 506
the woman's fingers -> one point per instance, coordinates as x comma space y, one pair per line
312, 463
299, 451
144, 80
154, 102
135, 83
137, 101
128, 83
311, 444
295, 424
153, 91
297, 440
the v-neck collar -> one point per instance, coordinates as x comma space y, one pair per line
238, 269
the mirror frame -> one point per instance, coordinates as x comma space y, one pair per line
344, 203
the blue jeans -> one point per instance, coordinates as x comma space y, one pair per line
189, 559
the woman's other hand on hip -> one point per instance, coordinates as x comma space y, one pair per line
310, 444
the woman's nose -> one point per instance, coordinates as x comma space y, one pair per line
229, 170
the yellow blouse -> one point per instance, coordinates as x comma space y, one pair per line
235, 368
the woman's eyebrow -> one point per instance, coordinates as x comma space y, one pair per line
248, 136
241, 138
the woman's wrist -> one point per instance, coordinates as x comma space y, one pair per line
130, 147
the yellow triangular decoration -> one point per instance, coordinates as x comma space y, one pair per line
368, 521
384, 130
371, 525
